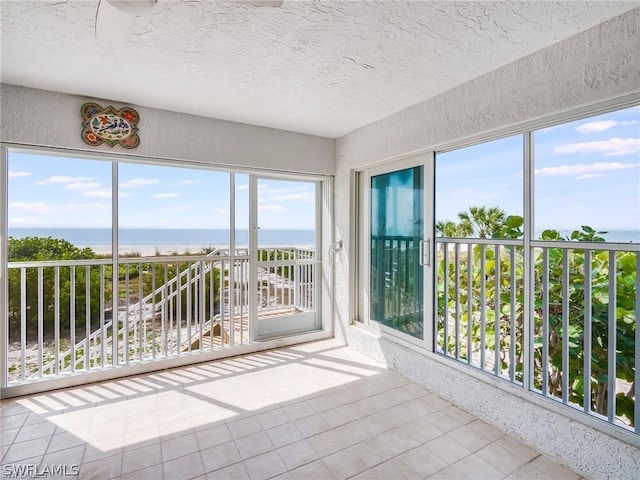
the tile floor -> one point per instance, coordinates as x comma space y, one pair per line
313, 411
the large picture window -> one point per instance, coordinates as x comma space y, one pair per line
536, 255
118, 263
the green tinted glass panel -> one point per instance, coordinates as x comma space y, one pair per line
397, 200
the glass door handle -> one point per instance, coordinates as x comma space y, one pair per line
425, 253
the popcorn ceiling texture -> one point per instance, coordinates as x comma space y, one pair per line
324, 67
596, 65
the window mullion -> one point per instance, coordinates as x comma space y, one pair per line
529, 278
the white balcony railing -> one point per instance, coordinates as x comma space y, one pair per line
63, 317
559, 319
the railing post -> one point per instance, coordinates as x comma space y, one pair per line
115, 317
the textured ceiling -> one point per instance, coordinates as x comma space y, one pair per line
324, 68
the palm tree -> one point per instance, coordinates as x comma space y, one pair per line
483, 221
447, 228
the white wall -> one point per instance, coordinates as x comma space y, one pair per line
596, 65
42, 118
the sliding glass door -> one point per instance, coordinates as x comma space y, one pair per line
286, 260
399, 246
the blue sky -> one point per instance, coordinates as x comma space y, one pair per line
55, 192
587, 173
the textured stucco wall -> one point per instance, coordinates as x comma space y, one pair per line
596, 65
42, 118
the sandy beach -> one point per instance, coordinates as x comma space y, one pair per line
149, 250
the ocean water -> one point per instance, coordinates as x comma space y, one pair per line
87, 237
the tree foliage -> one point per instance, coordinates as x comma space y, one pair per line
44, 249
475, 304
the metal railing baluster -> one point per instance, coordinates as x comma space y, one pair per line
611, 340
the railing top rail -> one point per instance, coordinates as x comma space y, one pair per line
481, 241
603, 246
564, 244
60, 263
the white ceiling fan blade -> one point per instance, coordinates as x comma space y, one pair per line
257, 3
112, 23
137, 7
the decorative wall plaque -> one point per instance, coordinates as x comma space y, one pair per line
110, 126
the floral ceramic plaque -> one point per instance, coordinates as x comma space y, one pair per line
110, 126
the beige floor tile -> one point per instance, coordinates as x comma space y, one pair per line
469, 438
284, 435
447, 449
141, 438
501, 458
232, 472
312, 471
38, 430
313, 425
184, 468
91, 453
154, 472
551, 468
64, 440
528, 472
220, 456
450, 473
273, 418
322, 403
266, 416
298, 410
8, 436
141, 458
13, 421
105, 468
69, 456
28, 449
517, 448
253, 445
367, 475
242, 428
179, 447
297, 454
486, 430
213, 436
424, 462
265, 466
396, 469
475, 466
346, 463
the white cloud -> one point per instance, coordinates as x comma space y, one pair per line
18, 174
63, 179
67, 209
602, 125
271, 208
221, 211
23, 221
166, 195
586, 176
139, 182
610, 148
82, 186
582, 169
306, 197
184, 183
